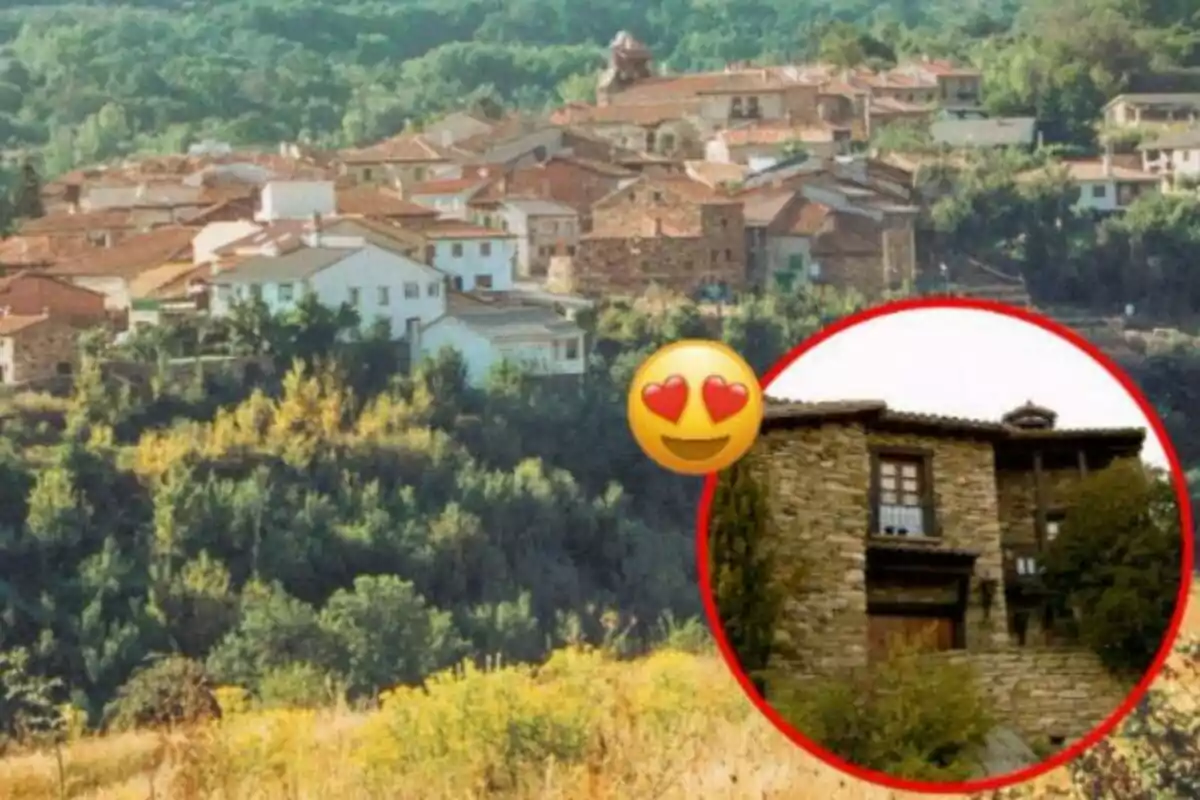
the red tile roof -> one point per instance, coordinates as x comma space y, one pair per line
445, 186
134, 255
411, 147
108, 219
12, 324
452, 229
368, 200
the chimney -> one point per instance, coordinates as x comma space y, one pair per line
315, 226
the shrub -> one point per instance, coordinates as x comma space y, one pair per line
172, 690
298, 685
908, 716
1116, 563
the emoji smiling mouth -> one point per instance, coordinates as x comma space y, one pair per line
695, 449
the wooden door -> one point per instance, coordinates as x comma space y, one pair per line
885, 631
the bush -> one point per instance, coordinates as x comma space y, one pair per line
1116, 562
908, 716
173, 690
298, 685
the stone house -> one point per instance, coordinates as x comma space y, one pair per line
36, 346
673, 232
31, 294
572, 181
933, 526
543, 229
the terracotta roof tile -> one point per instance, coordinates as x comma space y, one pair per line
12, 324
403, 147
41, 250
778, 134
134, 255
368, 200
80, 222
153, 279
635, 114
443, 186
452, 229
178, 286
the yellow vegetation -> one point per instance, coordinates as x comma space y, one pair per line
582, 725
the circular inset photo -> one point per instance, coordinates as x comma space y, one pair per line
958, 552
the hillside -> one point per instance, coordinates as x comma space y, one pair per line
84, 82
672, 725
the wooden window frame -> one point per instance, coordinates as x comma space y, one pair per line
922, 456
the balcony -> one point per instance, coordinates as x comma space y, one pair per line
903, 522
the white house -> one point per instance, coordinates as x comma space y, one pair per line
475, 258
1103, 186
379, 283
297, 200
216, 235
1176, 154
537, 339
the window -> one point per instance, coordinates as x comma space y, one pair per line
903, 507
1100, 191
570, 349
412, 290
385, 296
752, 107
458, 283
366, 173
658, 197
570, 249
430, 251
713, 255
456, 250
485, 248
729, 255
1054, 521
735, 107
256, 291
285, 292
434, 289
667, 142
1027, 566
352, 296
483, 281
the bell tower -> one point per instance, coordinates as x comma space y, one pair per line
629, 61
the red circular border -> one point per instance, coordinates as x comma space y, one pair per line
1186, 528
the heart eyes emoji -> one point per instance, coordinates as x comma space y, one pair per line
722, 399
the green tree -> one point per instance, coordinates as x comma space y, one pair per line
743, 578
27, 195
1116, 562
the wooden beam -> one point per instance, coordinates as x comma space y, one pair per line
1039, 495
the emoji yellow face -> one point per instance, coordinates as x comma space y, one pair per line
695, 407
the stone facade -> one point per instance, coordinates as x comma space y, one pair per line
986, 493
1045, 693
667, 231
34, 348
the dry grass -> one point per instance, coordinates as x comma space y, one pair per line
669, 726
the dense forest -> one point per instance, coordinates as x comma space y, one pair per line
86, 81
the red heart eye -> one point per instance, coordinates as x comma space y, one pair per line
667, 399
723, 400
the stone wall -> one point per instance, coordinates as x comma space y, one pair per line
1045, 692
39, 350
817, 481
860, 272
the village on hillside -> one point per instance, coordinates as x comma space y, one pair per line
488, 235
